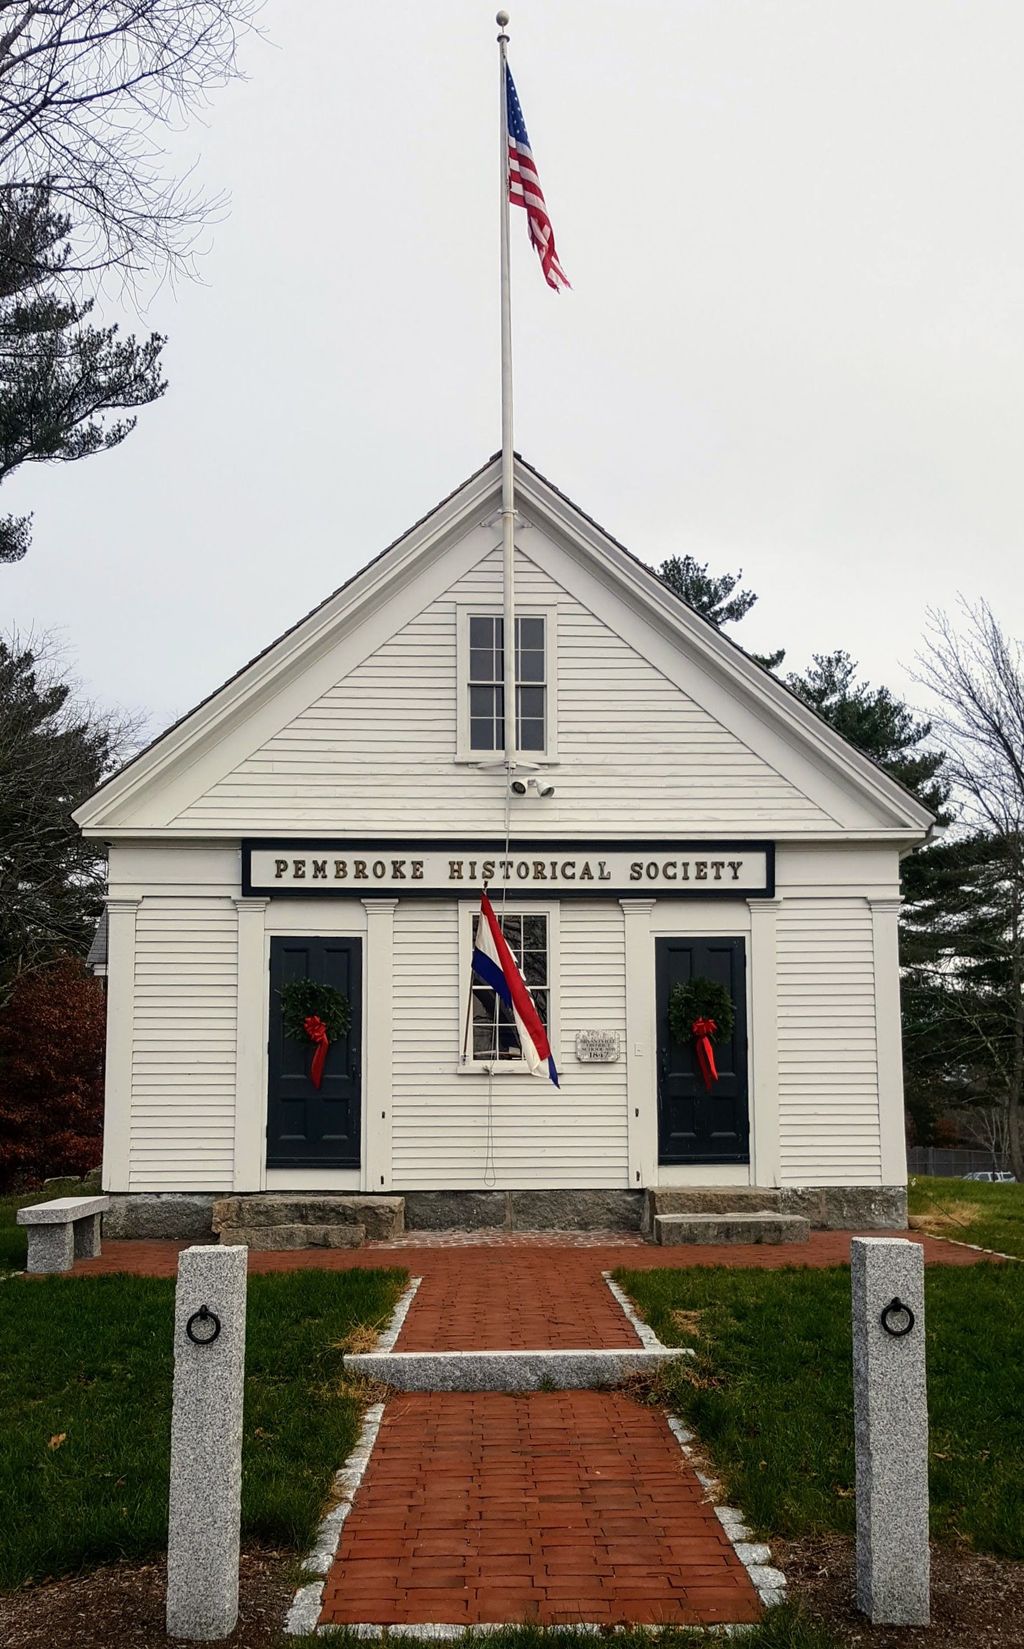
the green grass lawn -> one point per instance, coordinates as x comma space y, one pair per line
771, 1395
85, 1404
970, 1211
12, 1236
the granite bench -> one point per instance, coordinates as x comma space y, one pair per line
62, 1231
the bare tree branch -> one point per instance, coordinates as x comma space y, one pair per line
87, 88
977, 675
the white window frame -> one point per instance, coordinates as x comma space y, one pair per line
466, 610
468, 909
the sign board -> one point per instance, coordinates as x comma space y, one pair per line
400, 867
597, 1047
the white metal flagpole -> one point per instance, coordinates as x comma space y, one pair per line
508, 505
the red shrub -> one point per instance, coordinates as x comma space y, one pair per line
51, 1074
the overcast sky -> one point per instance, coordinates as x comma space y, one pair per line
795, 339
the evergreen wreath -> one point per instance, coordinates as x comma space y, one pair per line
700, 998
305, 998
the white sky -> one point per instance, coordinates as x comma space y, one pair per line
795, 342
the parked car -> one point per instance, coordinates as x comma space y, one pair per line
997, 1176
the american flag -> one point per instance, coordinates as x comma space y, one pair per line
524, 188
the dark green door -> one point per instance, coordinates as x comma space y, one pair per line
311, 1127
693, 1124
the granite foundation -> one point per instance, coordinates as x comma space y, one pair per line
188, 1216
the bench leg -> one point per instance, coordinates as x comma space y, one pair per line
87, 1237
50, 1248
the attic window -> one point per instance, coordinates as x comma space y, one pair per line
482, 685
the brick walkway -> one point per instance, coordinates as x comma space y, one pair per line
514, 1300
559, 1507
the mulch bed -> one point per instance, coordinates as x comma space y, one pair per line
977, 1601
123, 1605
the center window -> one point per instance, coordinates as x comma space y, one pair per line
487, 683
495, 1037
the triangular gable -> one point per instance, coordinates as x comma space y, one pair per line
377, 748
290, 741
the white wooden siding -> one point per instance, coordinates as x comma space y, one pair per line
575, 1137
376, 753
828, 1071
183, 1045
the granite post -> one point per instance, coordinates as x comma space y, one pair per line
890, 1430
206, 1443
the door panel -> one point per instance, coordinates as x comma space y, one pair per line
693, 1124
311, 1127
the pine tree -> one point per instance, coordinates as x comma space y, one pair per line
53, 754
59, 377
877, 723
715, 596
956, 950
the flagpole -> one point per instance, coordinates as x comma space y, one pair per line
508, 505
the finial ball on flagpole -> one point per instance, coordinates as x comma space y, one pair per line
502, 19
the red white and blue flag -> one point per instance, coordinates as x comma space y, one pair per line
494, 965
524, 188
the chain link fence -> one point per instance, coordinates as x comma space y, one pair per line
949, 1163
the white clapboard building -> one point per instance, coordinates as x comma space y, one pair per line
332, 812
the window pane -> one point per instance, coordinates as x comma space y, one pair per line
481, 701
531, 735
535, 970
481, 664
508, 1037
531, 666
531, 703
512, 928
481, 733
481, 632
535, 932
530, 633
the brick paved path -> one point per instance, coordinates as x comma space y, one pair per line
553, 1508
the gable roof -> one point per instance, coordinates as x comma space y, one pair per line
446, 521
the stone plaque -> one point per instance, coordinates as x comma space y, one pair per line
597, 1047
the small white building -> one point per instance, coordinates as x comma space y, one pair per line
332, 811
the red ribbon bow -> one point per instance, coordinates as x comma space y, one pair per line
703, 1031
316, 1030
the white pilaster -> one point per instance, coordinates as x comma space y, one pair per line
765, 1146
377, 1064
888, 1040
117, 1108
641, 1044
251, 1039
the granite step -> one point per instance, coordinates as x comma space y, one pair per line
707, 1199
762, 1225
267, 1221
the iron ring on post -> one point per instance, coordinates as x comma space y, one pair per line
203, 1315
896, 1308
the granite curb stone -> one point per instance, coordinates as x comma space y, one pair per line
507, 1370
